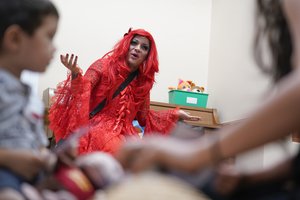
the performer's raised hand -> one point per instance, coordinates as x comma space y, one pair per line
70, 62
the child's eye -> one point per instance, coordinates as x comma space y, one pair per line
51, 35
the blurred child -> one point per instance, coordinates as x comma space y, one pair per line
27, 28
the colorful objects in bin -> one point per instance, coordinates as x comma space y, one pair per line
187, 93
188, 86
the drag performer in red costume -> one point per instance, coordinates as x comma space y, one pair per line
77, 96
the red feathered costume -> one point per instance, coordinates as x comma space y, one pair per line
76, 98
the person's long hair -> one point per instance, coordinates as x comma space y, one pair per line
115, 60
274, 34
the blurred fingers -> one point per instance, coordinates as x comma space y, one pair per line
195, 118
227, 180
30, 192
126, 156
66, 159
143, 161
137, 160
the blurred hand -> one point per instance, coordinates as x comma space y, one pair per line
25, 163
30, 192
57, 195
228, 180
186, 116
49, 158
67, 150
101, 168
68, 154
71, 64
153, 151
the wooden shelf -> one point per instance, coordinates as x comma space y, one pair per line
209, 117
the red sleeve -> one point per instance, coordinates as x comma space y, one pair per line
157, 121
70, 105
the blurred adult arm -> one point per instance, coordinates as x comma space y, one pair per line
228, 180
276, 118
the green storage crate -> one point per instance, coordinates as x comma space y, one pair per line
185, 98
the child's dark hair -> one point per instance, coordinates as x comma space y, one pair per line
272, 25
28, 14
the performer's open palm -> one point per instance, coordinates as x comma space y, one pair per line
70, 62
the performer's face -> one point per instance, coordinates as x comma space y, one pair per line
138, 51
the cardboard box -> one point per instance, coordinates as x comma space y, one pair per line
185, 98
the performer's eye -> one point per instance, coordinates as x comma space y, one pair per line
145, 48
133, 42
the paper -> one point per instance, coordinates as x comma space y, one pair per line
191, 100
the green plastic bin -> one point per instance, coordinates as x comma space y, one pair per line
185, 98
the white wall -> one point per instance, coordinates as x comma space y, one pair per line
181, 29
235, 82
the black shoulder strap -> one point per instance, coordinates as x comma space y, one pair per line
126, 82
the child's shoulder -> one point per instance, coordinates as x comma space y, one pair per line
7, 78
11, 89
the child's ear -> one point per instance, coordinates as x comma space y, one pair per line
12, 38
